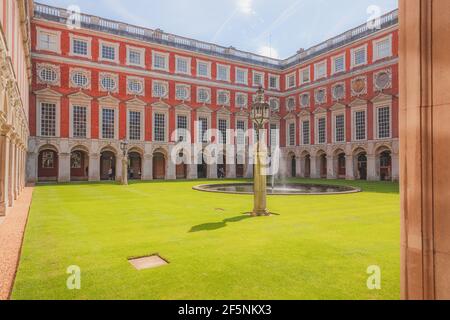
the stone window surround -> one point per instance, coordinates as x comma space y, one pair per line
188, 87
51, 100
164, 83
288, 125
115, 107
278, 81
165, 111
236, 95
262, 74
166, 56
334, 114
57, 34
116, 46
302, 119
227, 118
227, 67
141, 110
354, 109
288, 76
139, 79
54, 67
317, 117
376, 42
81, 103
333, 63
188, 63
316, 67
88, 40
114, 76
206, 115
245, 78
87, 74
377, 105
208, 63
208, 101
241, 118
182, 112
228, 103
138, 49
352, 54
301, 80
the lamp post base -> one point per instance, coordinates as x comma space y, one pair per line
260, 213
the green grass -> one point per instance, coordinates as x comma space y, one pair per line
318, 247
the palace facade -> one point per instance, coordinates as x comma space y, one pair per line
97, 82
15, 82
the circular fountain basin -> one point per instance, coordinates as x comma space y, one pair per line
285, 189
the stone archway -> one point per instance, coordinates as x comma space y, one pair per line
361, 165
79, 164
306, 165
322, 165
181, 168
202, 166
384, 163
292, 165
48, 164
159, 166
108, 164
134, 165
339, 162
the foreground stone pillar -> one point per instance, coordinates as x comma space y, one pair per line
372, 168
94, 167
331, 170
4, 155
424, 153
313, 168
147, 170
349, 169
64, 167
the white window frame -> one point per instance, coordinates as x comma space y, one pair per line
188, 87
316, 138
380, 105
333, 63
188, 61
227, 68
88, 41
354, 111
334, 115
156, 110
302, 120
375, 51
236, 138
288, 76
262, 74
165, 84
207, 116
208, 63
245, 71
277, 77
166, 56
316, 67
142, 124
186, 114
141, 52
116, 47
288, 136
302, 80
80, 103
116, 120
56, 34
198, 94
353, 56
57, 103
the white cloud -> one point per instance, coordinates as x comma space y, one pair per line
268, 52
245, 6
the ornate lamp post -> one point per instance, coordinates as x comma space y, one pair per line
260, 115
124, 148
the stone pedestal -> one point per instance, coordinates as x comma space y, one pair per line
424, 148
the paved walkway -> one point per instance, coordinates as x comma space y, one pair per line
11, 235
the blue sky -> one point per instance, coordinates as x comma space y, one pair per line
276, 28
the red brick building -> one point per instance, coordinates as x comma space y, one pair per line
334, 106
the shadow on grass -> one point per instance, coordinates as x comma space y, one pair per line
218, 225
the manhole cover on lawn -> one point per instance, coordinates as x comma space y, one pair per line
149, 262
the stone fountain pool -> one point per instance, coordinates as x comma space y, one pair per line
285, 189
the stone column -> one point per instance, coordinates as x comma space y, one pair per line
231, 170
424, 152
314, 170
16, 171
349, 168
395, 167
298, 167
64, 167
10, 174
147, 170
32, 162
4, 156
171, 167
372, 168
94, 167
331, 169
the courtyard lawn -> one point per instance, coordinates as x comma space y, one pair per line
316, 247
